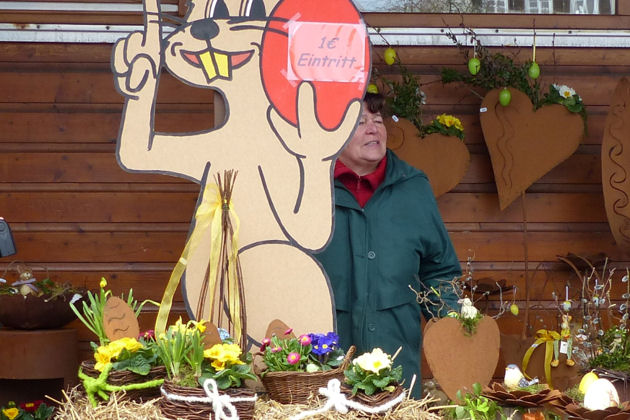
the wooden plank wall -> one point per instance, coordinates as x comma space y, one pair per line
74, 211
564, 210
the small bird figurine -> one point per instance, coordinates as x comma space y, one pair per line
515, 379
468, 310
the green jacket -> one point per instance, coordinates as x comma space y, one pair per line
397, 240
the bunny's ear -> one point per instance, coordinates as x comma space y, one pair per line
211, 335
279, 329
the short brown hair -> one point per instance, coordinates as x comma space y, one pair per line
375, 102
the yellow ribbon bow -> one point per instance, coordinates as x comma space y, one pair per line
209, 214
547, 337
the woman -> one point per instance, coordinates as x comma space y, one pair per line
388, 236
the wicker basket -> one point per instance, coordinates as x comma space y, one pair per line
373, 400
125, 377
296, 387
174, 409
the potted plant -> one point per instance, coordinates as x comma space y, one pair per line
124, 361
28, 303
33, 410
372, 380
527, 134
473, 405
424, 146
296, 367
200, 378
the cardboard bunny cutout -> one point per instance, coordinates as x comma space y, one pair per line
292, 74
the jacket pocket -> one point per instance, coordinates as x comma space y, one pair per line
391, 297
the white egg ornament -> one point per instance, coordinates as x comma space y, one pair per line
601, 395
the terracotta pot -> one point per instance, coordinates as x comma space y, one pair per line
534, 416
31, 312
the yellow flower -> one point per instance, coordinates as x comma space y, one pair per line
450, 121
103, 283
373, 362
224, 353
11, 413
218, 365
102, 359
200, 325
105, 354
213, 352
128, 343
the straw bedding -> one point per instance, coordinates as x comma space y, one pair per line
76, 407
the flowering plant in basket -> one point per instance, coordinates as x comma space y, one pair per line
373, 372
306, 353
189, 364
120, 364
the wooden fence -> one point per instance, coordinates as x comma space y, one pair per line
74, 211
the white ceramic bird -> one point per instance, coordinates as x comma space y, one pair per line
513, 376
468, 310
515, 379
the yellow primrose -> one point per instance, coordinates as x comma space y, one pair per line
218, 365
213, 352
224, 353
450, 121
374, 361
129, 343
102, 360
11, 413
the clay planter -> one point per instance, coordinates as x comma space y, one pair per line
192, 410
32, 313
445, 159
615, 164
458, 360
525, 144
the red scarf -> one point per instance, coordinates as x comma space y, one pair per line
362, 187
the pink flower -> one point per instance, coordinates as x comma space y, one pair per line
147, 335
276, 349
289, 331
305, 340
293, 358
266, 341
